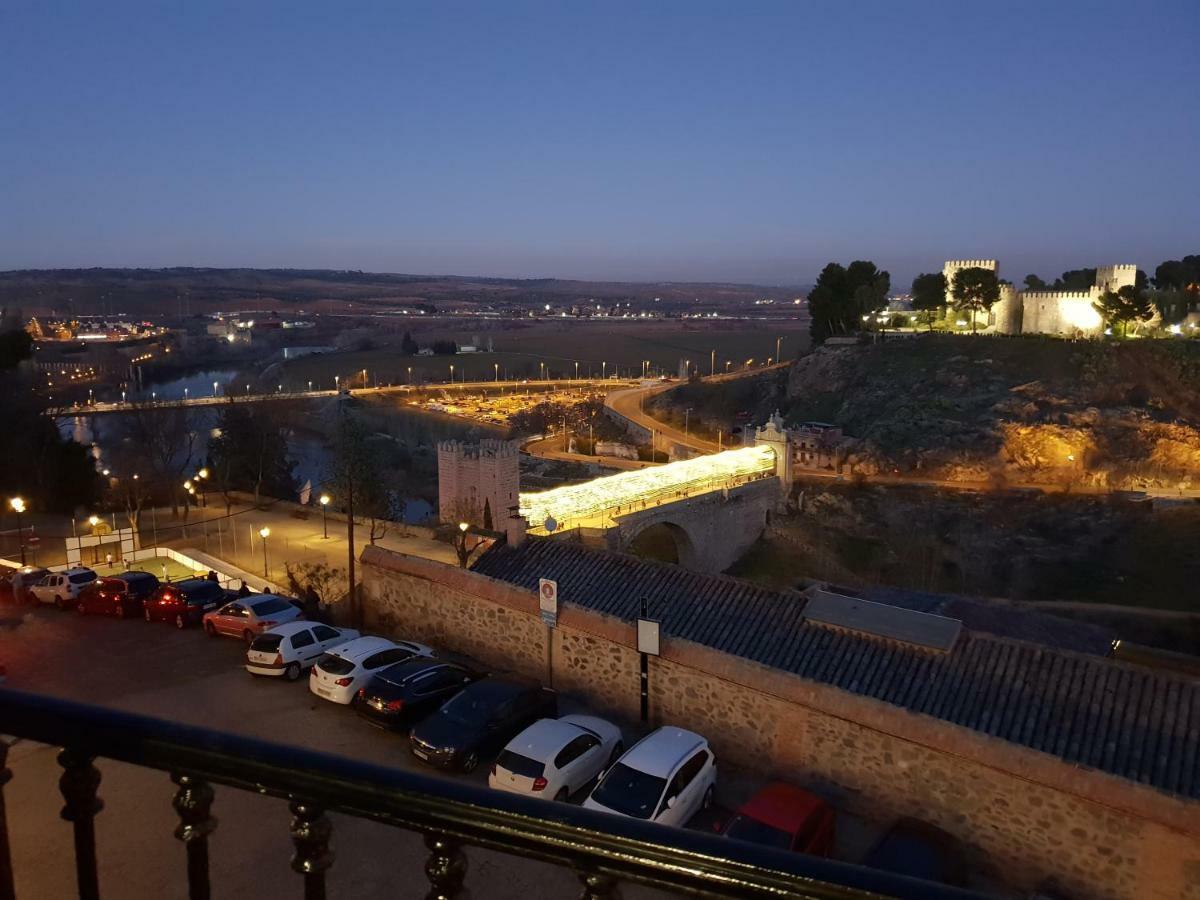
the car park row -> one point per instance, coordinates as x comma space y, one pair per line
456, 716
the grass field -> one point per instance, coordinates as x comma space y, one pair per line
597, 347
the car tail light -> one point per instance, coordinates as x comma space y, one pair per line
362, 692
395, 705
344, 682
539, 783
278, 659
312, 673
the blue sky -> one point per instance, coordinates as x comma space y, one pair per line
685, 141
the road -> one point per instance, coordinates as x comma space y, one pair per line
156, 670
90, 409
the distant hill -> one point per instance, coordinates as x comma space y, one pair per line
186, 291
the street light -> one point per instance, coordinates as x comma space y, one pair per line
495, 366
603, 368
576, 370
18, 506
265, 533
214, 389
324, 519
452, 373
310, 387
779, 348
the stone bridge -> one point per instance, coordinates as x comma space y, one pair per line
704, 533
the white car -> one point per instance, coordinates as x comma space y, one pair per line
668, 776
62, 588
556, 757
290, 648
338, 674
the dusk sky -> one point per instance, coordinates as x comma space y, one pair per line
685, 141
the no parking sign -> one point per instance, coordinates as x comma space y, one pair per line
548, 601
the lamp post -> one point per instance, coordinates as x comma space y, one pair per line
603, 369
576, 370
18, 506
460, 545
452, 373
214, 389
324, 517
410, 374
687, 412
712, 368
779, 349
265, 533
496, 366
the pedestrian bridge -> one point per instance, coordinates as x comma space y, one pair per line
702, 513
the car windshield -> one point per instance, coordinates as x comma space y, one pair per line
629, 791
520, 765
81, 577
267, 643
267, 607
744, 828
335, 665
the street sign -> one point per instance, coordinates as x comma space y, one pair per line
647, 636
548, 601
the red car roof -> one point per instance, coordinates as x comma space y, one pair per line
783, 806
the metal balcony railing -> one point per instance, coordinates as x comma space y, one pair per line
603, 850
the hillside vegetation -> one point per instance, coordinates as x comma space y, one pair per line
1034, 410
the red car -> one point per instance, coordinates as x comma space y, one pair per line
786, 817
120, 596
184, 602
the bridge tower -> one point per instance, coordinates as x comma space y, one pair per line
478, 483
775, 436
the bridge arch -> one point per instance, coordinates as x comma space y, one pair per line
663, 541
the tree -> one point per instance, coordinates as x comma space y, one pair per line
843, 295
408, 346
1079, 280
1033, 283
929, 294
369, 466
1119, 308
975, 290
15, 345
1178, 274
163, 446
251, 453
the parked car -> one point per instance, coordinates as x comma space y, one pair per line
786, 817
479, 720
250, 616
25, 578
183, 602
557, 757
122, 595
62, 588
920, 850
406, 692
668, 776
290, 648
338, 674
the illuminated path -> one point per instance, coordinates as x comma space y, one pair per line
603, 502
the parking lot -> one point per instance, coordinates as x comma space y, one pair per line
157, 670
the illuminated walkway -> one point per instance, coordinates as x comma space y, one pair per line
598, 503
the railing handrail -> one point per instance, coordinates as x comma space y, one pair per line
553, 832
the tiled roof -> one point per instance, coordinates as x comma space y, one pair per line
1136, 723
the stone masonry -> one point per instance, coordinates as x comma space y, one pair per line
1028, 815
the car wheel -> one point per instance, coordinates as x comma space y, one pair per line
146, 612
708, 798
248, 636
470, 763
292, 672
210, 629
562, 796
617, 750
58, 601
180, 622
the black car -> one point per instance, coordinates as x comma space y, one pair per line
479, 720
409, 691
920, 850
183, 602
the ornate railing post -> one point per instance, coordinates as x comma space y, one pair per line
193, 803
310, 833
597, 886
7, 889
78, 785
446, 866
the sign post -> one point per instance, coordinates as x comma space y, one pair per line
647, 639
548, 604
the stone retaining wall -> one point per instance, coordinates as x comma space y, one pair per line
1027, 815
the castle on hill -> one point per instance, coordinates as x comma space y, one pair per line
1068, 313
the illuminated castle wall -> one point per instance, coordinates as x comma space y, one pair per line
1045, 312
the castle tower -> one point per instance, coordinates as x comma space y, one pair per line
954, 266
478, 483
1113, 278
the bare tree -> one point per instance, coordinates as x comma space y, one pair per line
164, 440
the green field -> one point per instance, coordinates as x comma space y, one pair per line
521, 353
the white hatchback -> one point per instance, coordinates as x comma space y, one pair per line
338, 674
290, 648
556, 757
62, 588
668, 776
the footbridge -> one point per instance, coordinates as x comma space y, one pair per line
702, 513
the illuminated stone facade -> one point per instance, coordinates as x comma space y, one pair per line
1067, 313
477, 483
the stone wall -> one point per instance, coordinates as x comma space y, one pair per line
1027, 814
